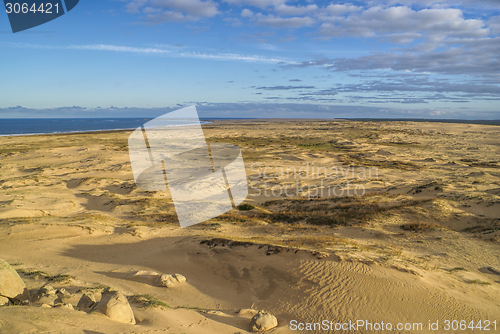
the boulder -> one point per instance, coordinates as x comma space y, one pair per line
168, 281
86, 302
180, 278
263, 321
116, 306
49, 299
62, 293
4, 301
11, 285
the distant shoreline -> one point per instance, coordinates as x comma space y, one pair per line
8, 124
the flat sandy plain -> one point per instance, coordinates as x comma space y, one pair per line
422, 244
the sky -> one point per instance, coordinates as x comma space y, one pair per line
257, 58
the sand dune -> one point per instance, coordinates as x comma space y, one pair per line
421, 245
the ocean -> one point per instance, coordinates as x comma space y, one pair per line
26, 126
30, 126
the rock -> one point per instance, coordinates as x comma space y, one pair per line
116, 306
68, 306
321, 255
48, 299
166, 280
11, 285
263, 321
62, 293
45, 306
247, 312
86, 302
180, 278
4, 301
47, 290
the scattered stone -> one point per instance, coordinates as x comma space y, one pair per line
45, 306
11, 285
86, 302
263, 321
247, 312
180, 278
116, 306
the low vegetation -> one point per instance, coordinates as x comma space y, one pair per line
420, 227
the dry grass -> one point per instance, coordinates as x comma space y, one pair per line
420, 227
342, 211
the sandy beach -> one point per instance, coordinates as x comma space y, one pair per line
393, 222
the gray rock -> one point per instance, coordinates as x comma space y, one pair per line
263, 321
116, 306
86, 302
11, 285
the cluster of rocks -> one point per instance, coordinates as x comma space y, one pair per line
13, 291
113, 303
49, 297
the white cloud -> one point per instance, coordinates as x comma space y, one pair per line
403, 20
256, 3
281, 22
159, 11
173, 52
284, 9
190, 7
246, 13
336, 9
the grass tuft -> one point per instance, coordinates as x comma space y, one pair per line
246, 207
419, 227
35, 274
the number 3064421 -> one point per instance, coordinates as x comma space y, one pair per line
43, 8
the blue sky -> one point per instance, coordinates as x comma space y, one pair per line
257, 58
